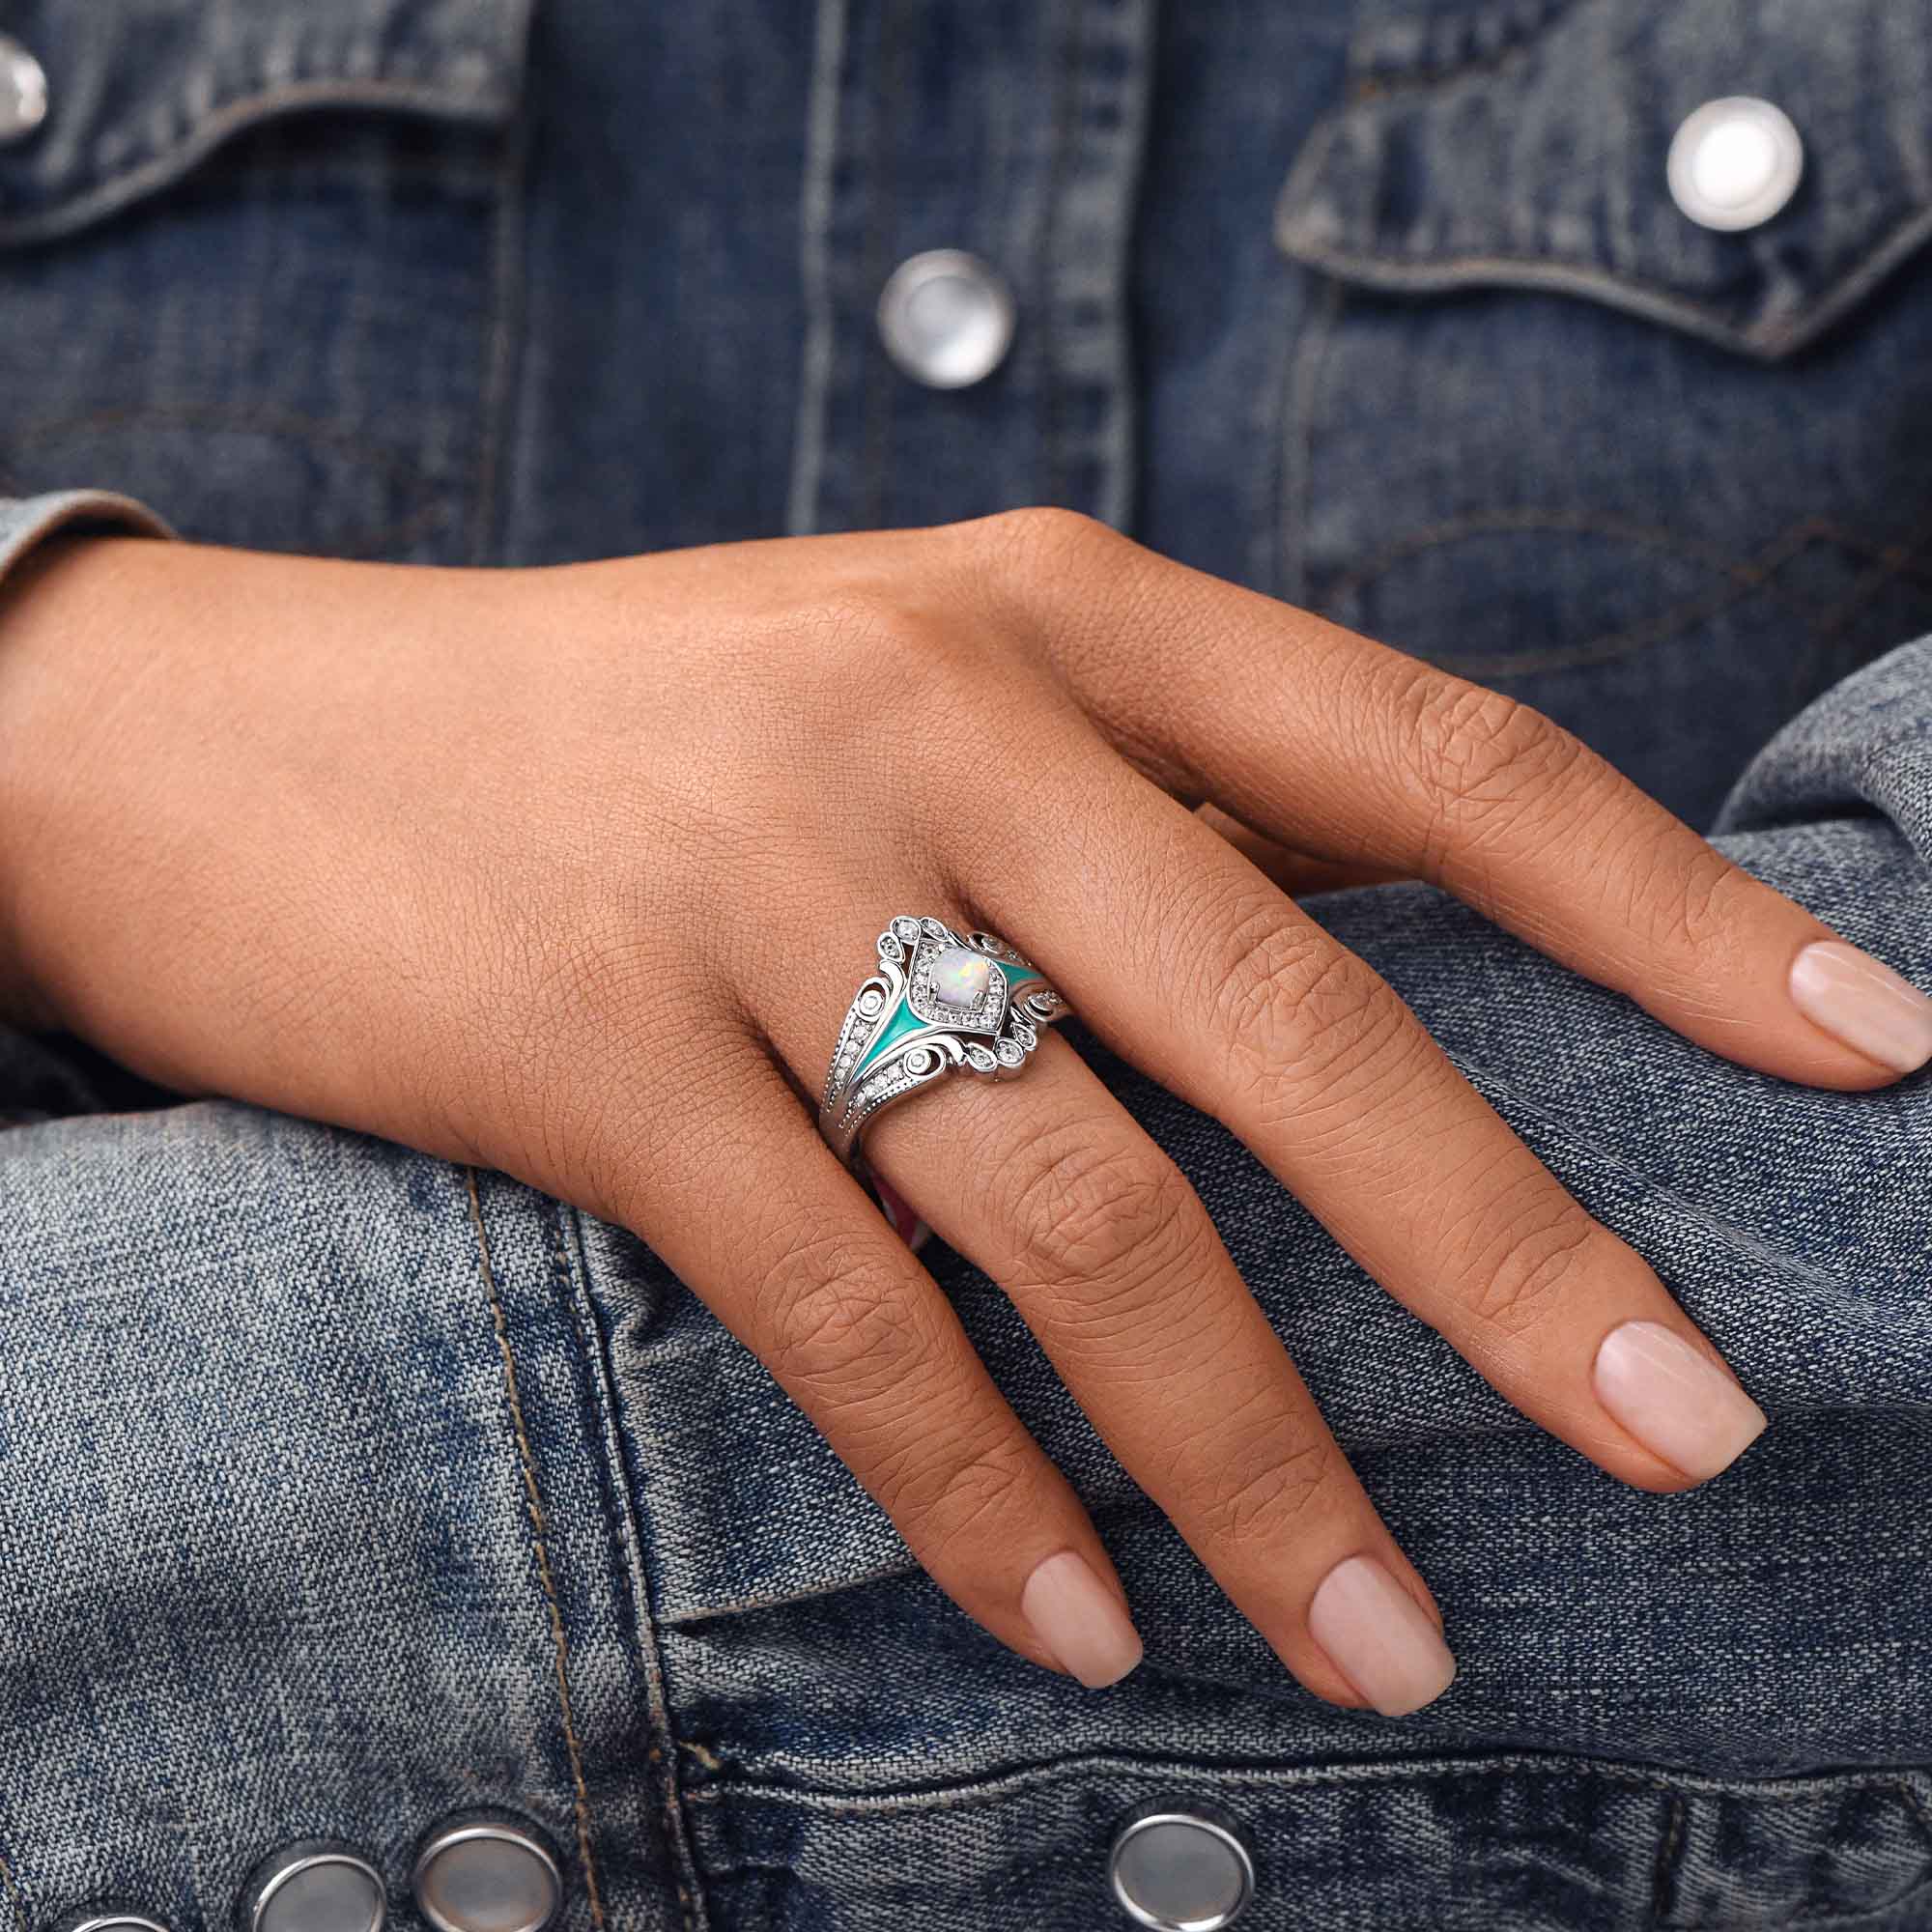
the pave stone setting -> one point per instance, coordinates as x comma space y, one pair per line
939, 1000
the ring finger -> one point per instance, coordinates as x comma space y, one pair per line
1111, 1260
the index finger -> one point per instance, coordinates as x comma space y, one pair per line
1361, 754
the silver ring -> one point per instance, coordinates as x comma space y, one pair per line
938, 1003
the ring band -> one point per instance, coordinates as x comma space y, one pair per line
938, 1002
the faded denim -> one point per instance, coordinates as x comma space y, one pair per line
343, 1486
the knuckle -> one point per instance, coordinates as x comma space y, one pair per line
1519, 1278
1704, 909
1091, 1212
832, 1321
1042, 563
1261, 961
1044, 534
1293, 1011
939, 656
1478, 753
1254, 1483
944, 1503
861, 622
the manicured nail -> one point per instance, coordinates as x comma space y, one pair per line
1080, 1620
1675, 1401
1379, 1637
1864, 1004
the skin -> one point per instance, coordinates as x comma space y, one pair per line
572, 872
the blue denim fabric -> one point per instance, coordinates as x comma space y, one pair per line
343, 1487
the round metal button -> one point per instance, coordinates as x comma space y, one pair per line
1733, 163
946, 318
314, 1885
23, 91
1182, 1871
486, 1871
109, 1918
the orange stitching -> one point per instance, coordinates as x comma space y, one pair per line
526, 1462
1896, 561
1754, 574
553, 1239
1509, 523
676, 1839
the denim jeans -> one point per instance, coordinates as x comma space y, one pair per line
343, 1488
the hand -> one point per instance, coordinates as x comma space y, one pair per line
574, 871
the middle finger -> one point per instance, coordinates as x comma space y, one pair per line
1185, 959
1117, 1269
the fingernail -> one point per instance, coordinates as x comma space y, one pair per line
1080, 1620
1864, 1004
1379, 1637
1675, 1401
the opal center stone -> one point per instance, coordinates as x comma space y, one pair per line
959, 977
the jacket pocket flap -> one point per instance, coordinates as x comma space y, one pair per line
1525, 145
139, 91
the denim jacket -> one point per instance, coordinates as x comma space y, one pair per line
386, 1491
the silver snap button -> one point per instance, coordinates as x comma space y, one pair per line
486, 1871
23, 91
314, 1885
946, 318
109, 1918
1733, 163
1181, 1870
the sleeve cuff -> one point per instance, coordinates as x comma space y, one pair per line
25, 520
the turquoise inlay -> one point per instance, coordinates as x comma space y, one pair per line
902, 1022
1018, 976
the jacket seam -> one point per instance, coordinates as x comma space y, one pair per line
1896, 559
503, 349
879, 379
1066, 24
1663, 1874
1439, 273
1001, 1788
526, 1464
1302, 380
816, 210
661, 1761
120, 189
1619, 289
1745, 575
1371, 80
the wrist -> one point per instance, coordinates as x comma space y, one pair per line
65, 613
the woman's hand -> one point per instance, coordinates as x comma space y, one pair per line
574, 871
